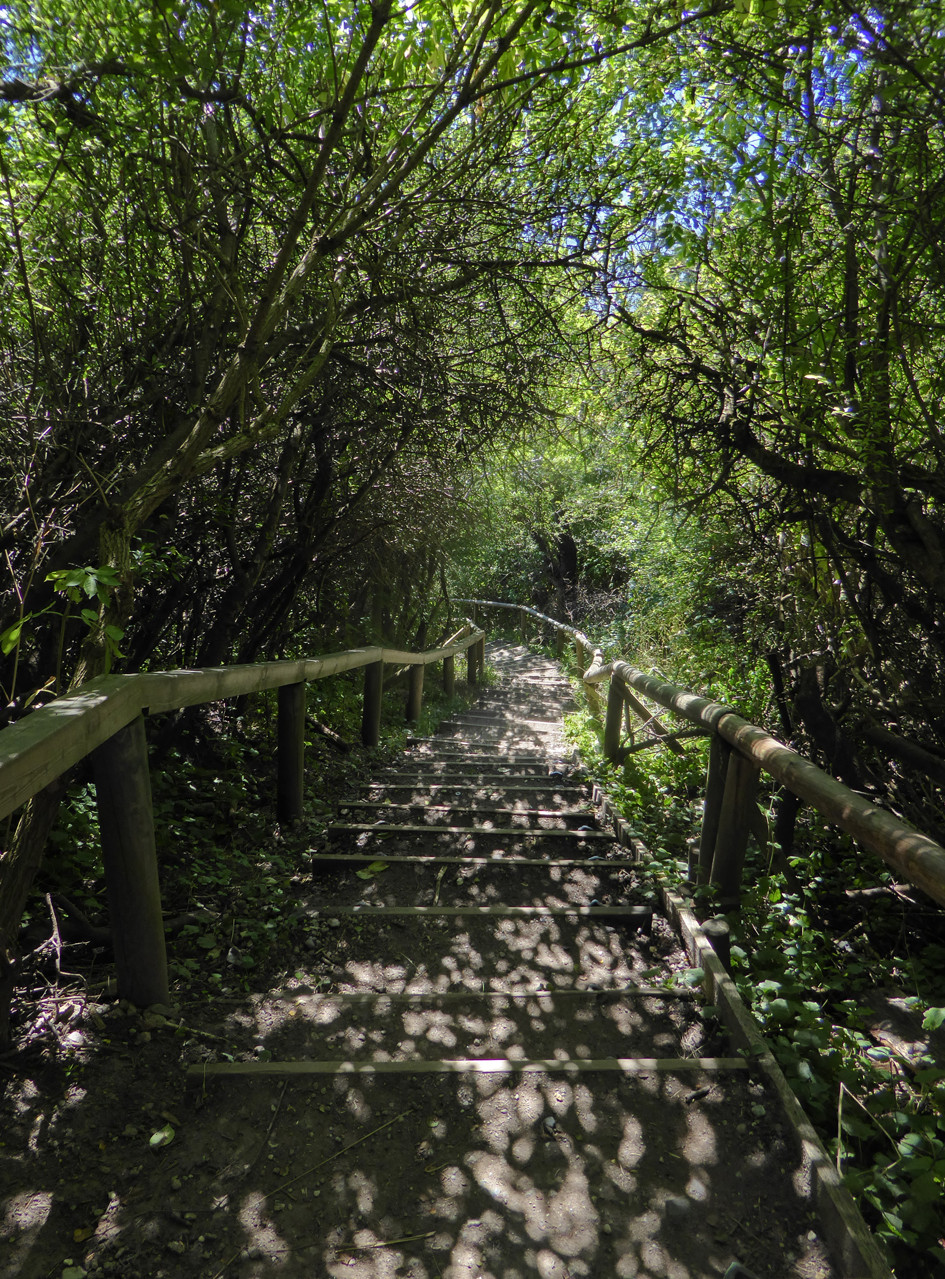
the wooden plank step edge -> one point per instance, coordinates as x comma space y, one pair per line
511, 859
456, 996
352, 828
527, 784
486, 810
508, 781
462, 743
642, 914
470, 1065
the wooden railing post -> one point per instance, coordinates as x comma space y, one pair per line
580, 655
290, 756
371, 711
559, 644
522, 622
481, 657
415, 693
126, 819
449, 676
614, 718
738, 802
700, 860
472, 663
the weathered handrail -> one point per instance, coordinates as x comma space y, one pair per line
104, 720
739, 751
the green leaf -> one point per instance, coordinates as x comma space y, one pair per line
933, 1019
369, 872
11, 637
163, 1137
926, 1189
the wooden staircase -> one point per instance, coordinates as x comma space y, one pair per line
508, 1013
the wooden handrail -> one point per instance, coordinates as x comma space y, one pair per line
730, 791
44, 744
104, 720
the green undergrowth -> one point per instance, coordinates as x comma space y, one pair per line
230, 875
824, 949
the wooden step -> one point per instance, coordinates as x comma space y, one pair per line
471, 1065
527, 787
641, 916
478, 770
453, 746
497, 859
487, 810
393, 829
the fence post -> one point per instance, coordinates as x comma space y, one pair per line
414, 693
522, 615
580, 656
700, 861
471, 664
371, 711
559, 644
731, 841
449, 676
481, 655
126, 819
290, 754
615, 700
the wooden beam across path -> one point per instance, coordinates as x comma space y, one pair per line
474, 832
589, 994
471, 1065
509, 859
632, 914
345, 805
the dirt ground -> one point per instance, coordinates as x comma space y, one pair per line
114, 1161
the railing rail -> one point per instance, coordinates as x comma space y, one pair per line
739, 752
104, 720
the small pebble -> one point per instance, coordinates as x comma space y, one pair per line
677, 1208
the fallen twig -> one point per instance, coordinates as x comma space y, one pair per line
351, 1145
386, 1243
